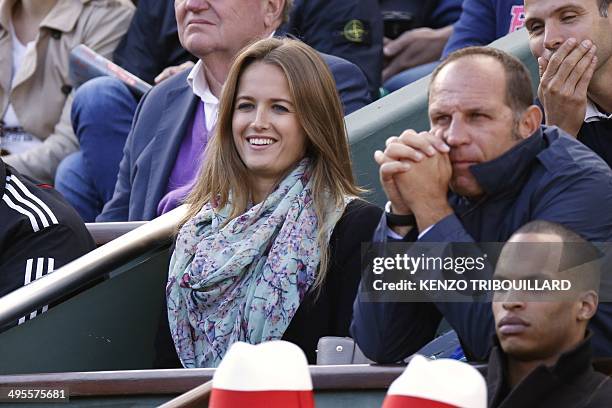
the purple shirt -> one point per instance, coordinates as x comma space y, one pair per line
187, 164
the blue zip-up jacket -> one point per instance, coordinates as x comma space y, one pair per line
484, 21
549, 176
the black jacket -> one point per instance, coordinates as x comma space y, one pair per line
598, 136
39, 231
571, 383
331, 312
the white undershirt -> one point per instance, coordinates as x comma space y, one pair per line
19, 51
593, 114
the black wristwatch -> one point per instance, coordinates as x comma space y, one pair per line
396, 220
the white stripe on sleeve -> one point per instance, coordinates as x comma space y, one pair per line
18, 198
40, 263
23, 211
27, 279
33, 197
50, 266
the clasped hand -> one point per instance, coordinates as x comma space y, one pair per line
415, 172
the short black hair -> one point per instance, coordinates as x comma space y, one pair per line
553, 228
578, 254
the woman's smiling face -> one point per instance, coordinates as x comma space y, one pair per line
265, 126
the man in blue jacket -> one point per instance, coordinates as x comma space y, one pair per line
503, 171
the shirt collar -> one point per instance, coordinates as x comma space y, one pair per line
593, 114
197, 81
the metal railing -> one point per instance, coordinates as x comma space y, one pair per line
93, 265
105, 232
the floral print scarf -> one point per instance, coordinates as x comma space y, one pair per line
244, 281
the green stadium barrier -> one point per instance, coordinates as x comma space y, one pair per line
111, 326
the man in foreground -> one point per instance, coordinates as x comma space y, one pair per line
542, 355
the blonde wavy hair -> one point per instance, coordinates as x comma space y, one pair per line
320, 114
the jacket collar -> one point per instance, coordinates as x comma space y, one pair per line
568, 367
62, 17
507, 172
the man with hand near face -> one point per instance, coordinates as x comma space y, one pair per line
572, 40
542, 355
503, 170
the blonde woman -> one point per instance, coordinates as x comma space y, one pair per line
271, 245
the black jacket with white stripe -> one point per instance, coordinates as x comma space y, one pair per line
39, 231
